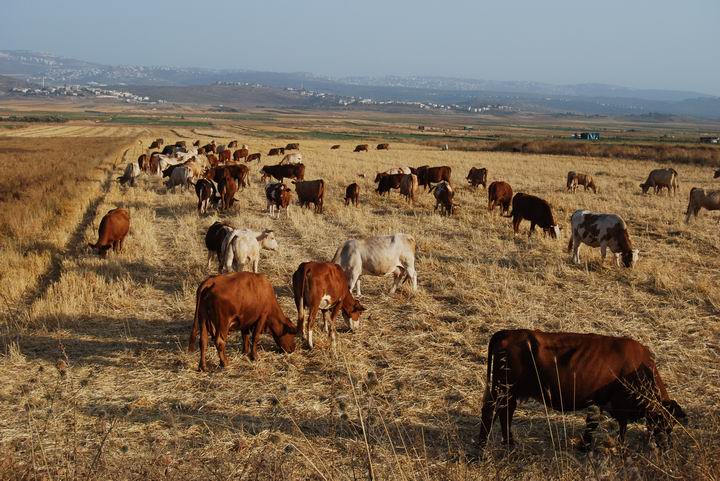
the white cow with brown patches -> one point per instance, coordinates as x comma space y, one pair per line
603, 231
242, 247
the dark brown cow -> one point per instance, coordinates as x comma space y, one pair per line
213, 160
154, 164
181, 143
114, 226
322, 286
278, 197
311, 192
214, 238
352, 194
293, 146
335, 147
225, 156
210, 147
383, 146
387, 182
500, 193
537, 211
143, 162
232, 144
240, 173
157, 143
227, 187
444, 198
477, 177
429, 175
239, 301
240, 154
568, 372
362, 148
280, 172
196, 143
256, 156
276, 151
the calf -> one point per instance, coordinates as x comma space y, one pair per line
537, 211
241, 301
242, 247
292, 146
224, 156
280, 172
383, 146
409, 187
114, 226
362, 148
661, 178
574, 179
387, 182
207, 194
240, 154
444, 196
311, 192
603, 231
477, 177
352, 194
568, 372
255, 156
278, 197
322, 286
500, 193
214, 238
699, 199
276, 151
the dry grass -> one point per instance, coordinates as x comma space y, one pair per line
97, 384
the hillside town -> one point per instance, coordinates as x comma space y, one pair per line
97, 92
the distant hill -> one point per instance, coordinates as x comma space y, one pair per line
236, 96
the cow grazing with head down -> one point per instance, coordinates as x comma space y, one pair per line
179, 175
311, 192
661, 178
278, 197
568, 372
114, 226
362, 148
292, 146
214, 238
409, 187
352, 194
276, 151
387, 182
241, 154
335, 147
383, 146
603, 231
575, 179
132, 172
429, 175
500, 193
477, 177
292, 158
699, 199
321, 286
241, 301
378, 256
280, 172
207, 194
537, 211
444, 195
241, 247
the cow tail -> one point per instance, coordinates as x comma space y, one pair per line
226, 251
196, 320
490, 361
336, 257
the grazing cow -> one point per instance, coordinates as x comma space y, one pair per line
278, 197
293, 146
255, 156
207, 194
321, 286
445, 147
224, 156
241, 301
603, 231
114, 226
409, 187
242, 247
386, 182
500, 193
429, 175
143, 162
210, 147
569, 372
294, 158
154, 165
699, 199
537, 211
444, 195
179, 175
659, 178
383, 146
378, 256
335, 147
477, 177
717, 174
196, 143
227, 188
232, 144
394, 170
240, 154
157, 143
280, 172
238, 172
214, 238
132, 172
276, 151
311, 192
574, 179
352, 194
362, 148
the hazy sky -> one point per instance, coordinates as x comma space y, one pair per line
635, 43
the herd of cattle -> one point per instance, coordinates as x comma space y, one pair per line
565, 371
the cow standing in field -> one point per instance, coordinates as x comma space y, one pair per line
387, 182
477, 177
603, 231
429, 175
378, 256
132, 172
661, 178
699, 199
575, 179
276, 151
292, 146
383, 146
500, 193
240, 154
241, 247
157, 143
214, 238
362, 148
241, 301
569, 372
335, 147
444, 195
293, 158
278, 197
227, 188
256, 156
311, 192
143, 162
352, 194
224, 156
321, 286
280, 172
409, 187
180, 175
114, 226
537, 211
207, 195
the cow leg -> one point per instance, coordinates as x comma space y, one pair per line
246, 341
489, 410
333, 326
203, 346
209, 262
257, 332
411, 273
220, 346
120, 244
506, 415
325, 322
603, 252
310, 324
532, 228
398, 276
516, 224
591, 424
256, 262
576, 249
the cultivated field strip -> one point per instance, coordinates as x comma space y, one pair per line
110, 349
65, 130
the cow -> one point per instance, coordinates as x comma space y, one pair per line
143, 162
157, 143
394, 170
227, 188
378, 256
574, 179
294, 158
569, 372
256, 156
383, 146
242, 247
335, 147
321, 286
352, 194
603, 231
538, 211
276, 151
311, 192
238, 172
114, 226
386, 182
444, 195
209, 147
232, 144
207, 194
699, 199
240, 154
195, 167
659, 178
500, 193
241, 301
477, 177
196, 143
154, 165
130, 175
409, 187
219, 149
170, 150
224, 156
181, 143
278, 197
213, 160
429, 175
280, 172
445, 147
292, 146
179, 175
362, 148
214, 238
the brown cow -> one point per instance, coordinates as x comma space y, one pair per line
213, 160
444, 195
335, 147
154, 164
278, 197
293, 146
214, 238
323, 286
661, 178
699, 199
311, 192
428, 175
477, 177
240, 154
239, 301
207, 194
196, 143
409, 187
143, 162
538, 211
383, 146
225, 156
114, 226
157, 143
227, 187
352, 194
255, 156
280, 172
500, 193
276, 151
574, 179
568, 372
362, 148
232, 144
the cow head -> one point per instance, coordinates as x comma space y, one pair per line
553, 231
629, 258
644, 187
660, 420
267, 240
379, 176
101, 250
351, 310
284, 332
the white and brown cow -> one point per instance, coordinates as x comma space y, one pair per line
242, 247
700, 199
603, 231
